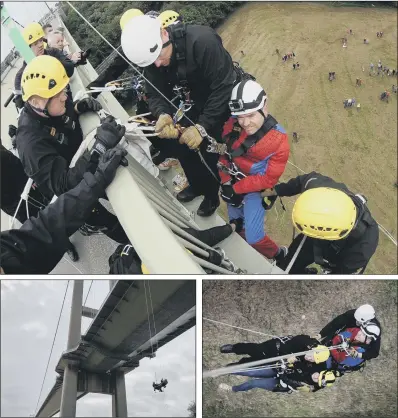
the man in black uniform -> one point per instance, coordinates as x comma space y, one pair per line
299, 373
49, 134
193, 59
38, 246
340, 233
365, 318
33, 35
11, 168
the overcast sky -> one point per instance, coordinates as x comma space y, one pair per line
29, 315
24, 13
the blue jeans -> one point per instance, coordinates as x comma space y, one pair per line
265, 379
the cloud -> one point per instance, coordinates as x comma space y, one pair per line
35, 326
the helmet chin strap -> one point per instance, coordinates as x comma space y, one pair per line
44, 111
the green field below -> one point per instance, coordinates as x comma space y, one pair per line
358, 148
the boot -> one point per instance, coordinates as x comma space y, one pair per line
186, 195
282, 253
226, 348
208, 207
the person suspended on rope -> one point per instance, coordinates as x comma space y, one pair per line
125, 259
49, 134
258, 147
363, 317
38, 246
193, 56
306, 373
33, 35
11, 168
336, 228
160, 386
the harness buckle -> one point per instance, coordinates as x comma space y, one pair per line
53, 131
126, 250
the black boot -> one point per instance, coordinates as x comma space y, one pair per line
72, 252
208, 207
186, 195
226, 348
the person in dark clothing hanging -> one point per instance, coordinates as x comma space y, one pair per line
49, 134
363, 317
302, 372
33, 35
335, 224
193, 59
38, 246
11, 167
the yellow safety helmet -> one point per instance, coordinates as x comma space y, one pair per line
32, 32
44, 76
128, 15
322, 355
327, 378
146, 271
168, 17
324, 213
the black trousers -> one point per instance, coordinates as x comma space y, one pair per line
198, 175
303, 260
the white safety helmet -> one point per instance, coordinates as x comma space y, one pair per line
247, 97
141, 40
364, 313
371, 330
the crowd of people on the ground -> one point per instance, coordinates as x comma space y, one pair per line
226, 106
342, 347
288, 56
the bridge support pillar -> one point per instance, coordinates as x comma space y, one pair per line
119, 398
69, 387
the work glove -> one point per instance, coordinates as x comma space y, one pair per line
354, 353
165, 121
12, 131
88, 104
238, 222
191, 137
83, 57
108, 164
170, 132
292, 359
229, 196
108, 135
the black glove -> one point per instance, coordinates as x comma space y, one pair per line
83, 57
108, 135
108, 164
268, 202
85, 105
19, 103
12, 131
238, 222
229, 196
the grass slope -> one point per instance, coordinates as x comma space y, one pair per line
357, 148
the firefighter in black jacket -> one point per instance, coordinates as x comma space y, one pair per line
49, 134
33, 35
38, 246
304, 373
11, 168
340, 233
193, 59
363, 317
